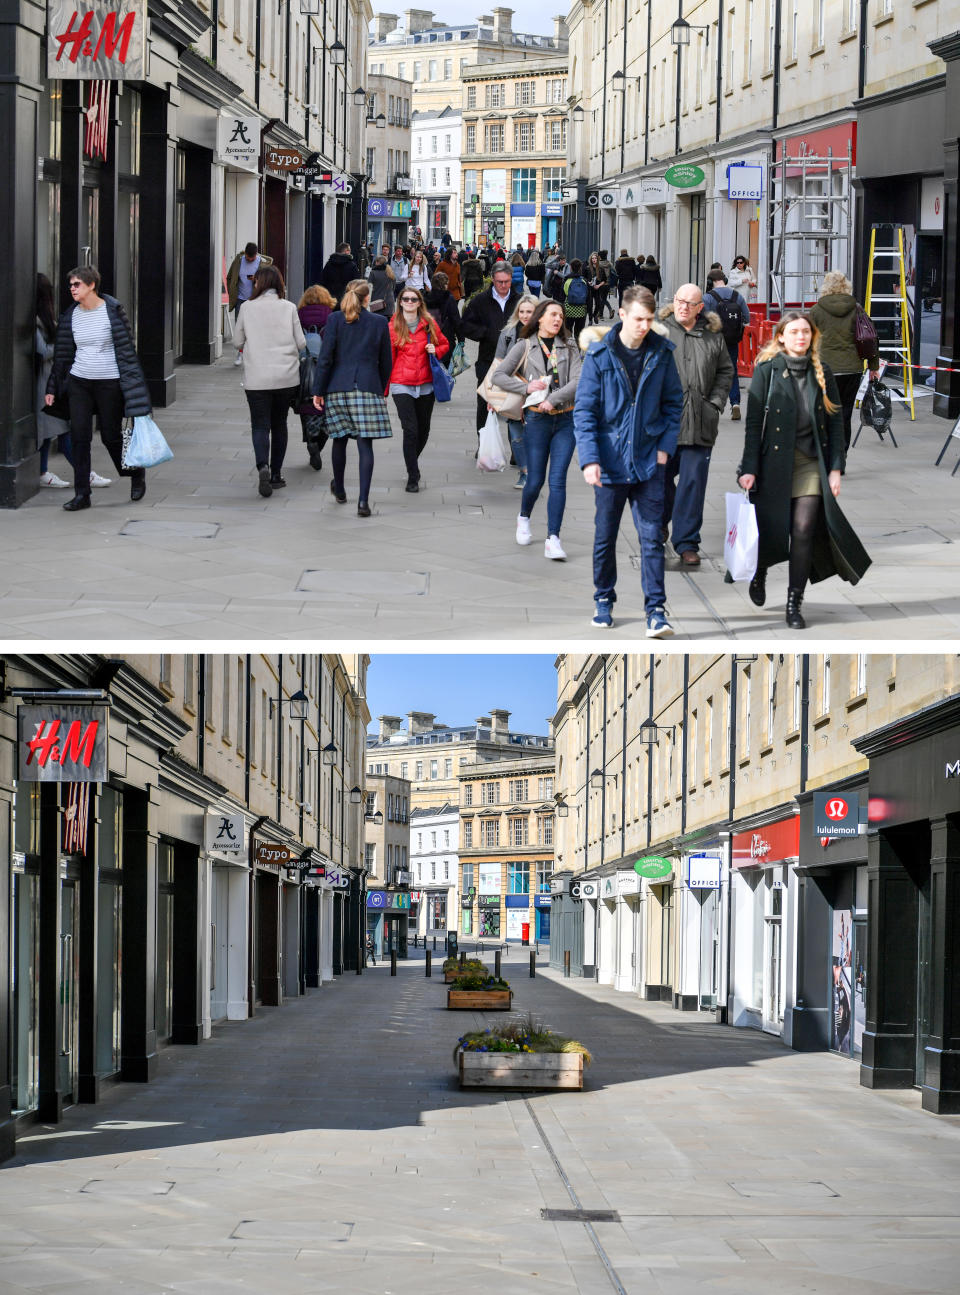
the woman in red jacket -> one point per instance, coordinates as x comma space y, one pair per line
414, 337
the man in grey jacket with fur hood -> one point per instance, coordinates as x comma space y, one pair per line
706, 374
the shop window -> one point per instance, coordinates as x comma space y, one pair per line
24, 977
490, 921
518, 878
466, 921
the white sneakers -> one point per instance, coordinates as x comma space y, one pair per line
51, 479
552, 549
523, 530
239, 360
97, 480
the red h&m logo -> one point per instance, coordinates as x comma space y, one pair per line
112, 40
837, 809
76, 747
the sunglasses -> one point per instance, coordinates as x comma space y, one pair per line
415, 300
76, 283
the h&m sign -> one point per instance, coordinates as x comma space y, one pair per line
65, 743
105, 40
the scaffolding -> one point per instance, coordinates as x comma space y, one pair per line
810, 207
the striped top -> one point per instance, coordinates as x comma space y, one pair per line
93, 335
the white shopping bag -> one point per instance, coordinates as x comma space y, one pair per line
491, 456
741, 542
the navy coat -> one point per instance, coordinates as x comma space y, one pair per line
768, 456
133, 384
354, 357
617, 428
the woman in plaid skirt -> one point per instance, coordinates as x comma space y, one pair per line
351, 377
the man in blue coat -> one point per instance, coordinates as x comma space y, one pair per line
627, 421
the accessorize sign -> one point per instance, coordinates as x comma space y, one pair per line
62, 743
684, 176
99, 41
224, 833
238, 141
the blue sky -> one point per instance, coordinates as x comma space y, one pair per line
459, 687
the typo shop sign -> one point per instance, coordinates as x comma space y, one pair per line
100, 41
62, 743
836, 814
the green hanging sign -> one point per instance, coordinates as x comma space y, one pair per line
653, 867
684, 176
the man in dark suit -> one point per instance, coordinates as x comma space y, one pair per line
483, 321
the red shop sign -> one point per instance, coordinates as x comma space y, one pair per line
765, 845
817, 143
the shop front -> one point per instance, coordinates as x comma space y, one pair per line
912, 1033
523, 224
551, 223
388, 914
388, 221
541, 917
566, 925
763, 898
698, 929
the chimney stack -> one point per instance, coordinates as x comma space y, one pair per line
499, 723
417, 20
389, 724
561, 36
502, 29
383, 24
419, 721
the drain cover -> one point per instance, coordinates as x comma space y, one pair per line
176, 530
580, 1216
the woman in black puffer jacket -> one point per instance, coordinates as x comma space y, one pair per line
96, 369
439, 301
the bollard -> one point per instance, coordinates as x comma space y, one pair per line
463, 958
496, 964
429, 963
533, 965
393, 962
566, 962
434, 938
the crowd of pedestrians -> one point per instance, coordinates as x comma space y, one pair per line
638, 396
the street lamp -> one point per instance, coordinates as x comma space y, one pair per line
577, 114
329, 754
338, 53
356, 795
381, 121
359, 97
297, 702
648, 732
561, 808
680, 32
598, 778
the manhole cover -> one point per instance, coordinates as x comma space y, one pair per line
176, 530
372, 586
581, 1216
792, 1191
127, 1187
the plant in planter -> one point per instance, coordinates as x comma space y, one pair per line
481, 992
522, 1053
452, 968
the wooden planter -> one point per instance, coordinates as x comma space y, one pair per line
479, 1000
521, 1069
450, 976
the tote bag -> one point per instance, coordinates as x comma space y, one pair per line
442, 380
147, 446
742, 540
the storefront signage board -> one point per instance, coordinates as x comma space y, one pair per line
284, 159
98, 41
238, 141
653, 868
488, 901
628, 883
745, 181
653, 190
263, 852
225, 833
684, 176
836, 814
766, 845
389, 208
608, 888
703, 871
541, 901
62, 743
338, 877
388, 900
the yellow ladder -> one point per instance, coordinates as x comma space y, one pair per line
893, 349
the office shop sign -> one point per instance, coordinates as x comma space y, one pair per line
64, 743
99, 41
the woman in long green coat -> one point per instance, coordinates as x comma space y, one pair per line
793, 458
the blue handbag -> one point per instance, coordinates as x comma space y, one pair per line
442, 380
147, 445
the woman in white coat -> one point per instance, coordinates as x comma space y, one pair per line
269, 333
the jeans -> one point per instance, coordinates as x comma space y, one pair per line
685, 488
547, 437
515, 432
65, 447
646, 504
268, 421
734, 350
415, 413
103, 397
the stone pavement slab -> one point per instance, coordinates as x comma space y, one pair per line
324, 1146
203, 556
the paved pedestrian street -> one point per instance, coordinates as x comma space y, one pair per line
324, 1146
204, 556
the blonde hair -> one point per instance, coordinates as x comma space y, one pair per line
775, 347
835, 281
354, 299
527, 299
317, 295
400, 330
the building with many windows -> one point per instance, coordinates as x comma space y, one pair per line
198, 854
766, 836
514, 152
387, 860
435, 55
506, 848
435, 171
389, 212
431, 755
434, 836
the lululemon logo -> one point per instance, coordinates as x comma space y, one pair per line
836, 809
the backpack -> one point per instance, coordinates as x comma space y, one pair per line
576, 292
731, 321
865, 335
613, 278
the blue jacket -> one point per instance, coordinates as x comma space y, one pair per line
354, 357
617, 428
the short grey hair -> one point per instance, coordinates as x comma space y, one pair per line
835, 281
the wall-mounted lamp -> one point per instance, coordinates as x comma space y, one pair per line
297, 702
337, 53
649, 731
381, 121
356, 795
359, 97
577, 113
598, 777
329, 753
561, 808
680, 32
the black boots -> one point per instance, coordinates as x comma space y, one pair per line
794, 620
758, 587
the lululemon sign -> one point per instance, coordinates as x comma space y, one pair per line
836, 814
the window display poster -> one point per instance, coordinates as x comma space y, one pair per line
842, 961
515, 919
489, 883
490, 921
859, 986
